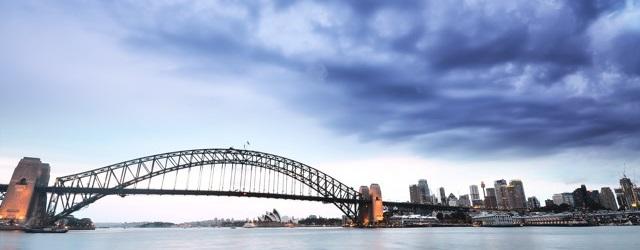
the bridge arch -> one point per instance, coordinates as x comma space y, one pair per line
128, 174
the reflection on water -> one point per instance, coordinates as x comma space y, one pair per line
331, 238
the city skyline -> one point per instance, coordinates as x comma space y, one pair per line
387, 94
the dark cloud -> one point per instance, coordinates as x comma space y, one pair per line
518, 76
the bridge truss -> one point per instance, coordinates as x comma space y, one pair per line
230, 172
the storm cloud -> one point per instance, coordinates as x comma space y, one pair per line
532, 77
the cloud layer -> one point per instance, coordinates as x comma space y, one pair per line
483, 77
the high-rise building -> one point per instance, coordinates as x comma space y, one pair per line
490, 200
629, 194
425, 194
548, 202
501, 193
474, 192
584, 199
414, 194
517, 199
443, 196
608, 199
463, 201
533, 203
557, 199
452, 200
620, 198
566, 198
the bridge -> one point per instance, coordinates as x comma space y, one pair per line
30, 200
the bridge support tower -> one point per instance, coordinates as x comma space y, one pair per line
23, 204
371, 212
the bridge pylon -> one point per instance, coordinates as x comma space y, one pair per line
370, 212
23, 204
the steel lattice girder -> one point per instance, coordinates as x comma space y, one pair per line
128, 173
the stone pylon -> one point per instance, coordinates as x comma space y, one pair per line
23, 203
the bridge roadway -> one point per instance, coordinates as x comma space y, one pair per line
128, 191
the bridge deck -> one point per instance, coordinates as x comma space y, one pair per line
127, 191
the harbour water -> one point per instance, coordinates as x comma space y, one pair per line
331, 238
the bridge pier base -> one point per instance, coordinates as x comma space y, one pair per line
23, 204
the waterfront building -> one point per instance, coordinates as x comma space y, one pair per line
533, 203
501, 193
443, 196
490, 199
425, 194
608, 199
463, 201
566, 198
414, 194
629, 194
412, 220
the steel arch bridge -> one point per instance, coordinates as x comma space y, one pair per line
216, 171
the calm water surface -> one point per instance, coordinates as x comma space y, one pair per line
332, 238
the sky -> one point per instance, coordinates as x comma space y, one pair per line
455, 92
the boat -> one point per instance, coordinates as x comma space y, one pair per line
47, 230
249, 225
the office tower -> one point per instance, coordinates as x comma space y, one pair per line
443, 196
452, 200
568, 199
580, 196
463, 201
533, 203
474, 192
490, 200
414, 194
629, 194
608, 199
501, 193
557, 199
425, 194
548, 202
517, 199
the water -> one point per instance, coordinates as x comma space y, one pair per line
331, 238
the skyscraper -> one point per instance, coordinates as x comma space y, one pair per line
629, 194
443, 196
517, 198
608, 199
425, 194
490, 200
533, 203
501, 193
475, 196
452, 200
474, 192
463, 201
414, 194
